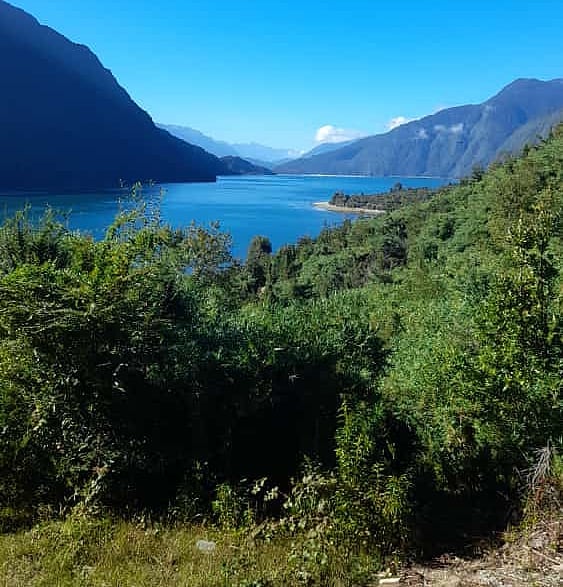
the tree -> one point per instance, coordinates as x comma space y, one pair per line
258, 262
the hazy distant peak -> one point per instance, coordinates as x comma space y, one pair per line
252, 151
263, 152
196, 137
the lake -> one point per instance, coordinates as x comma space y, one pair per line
279, 206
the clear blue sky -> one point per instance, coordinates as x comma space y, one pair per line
274, 71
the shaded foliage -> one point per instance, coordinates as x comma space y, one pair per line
415, 358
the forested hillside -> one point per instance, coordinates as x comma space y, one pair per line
384, 390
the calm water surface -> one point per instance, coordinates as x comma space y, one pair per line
279, 207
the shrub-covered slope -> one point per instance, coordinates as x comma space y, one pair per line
411, 363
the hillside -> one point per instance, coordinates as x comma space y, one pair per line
325, 148
451, 142
388, 391
66, 123
239, 166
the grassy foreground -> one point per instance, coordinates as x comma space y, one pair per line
98, 553
82, 551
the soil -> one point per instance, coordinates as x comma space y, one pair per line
532, 559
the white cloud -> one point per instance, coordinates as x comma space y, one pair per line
398, 121
455, 129
332, 134
421, 134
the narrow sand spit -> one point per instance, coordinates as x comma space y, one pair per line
347, 210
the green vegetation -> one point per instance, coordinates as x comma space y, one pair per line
379, 392
395, 198
87, 551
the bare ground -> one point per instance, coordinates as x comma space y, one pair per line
534, 559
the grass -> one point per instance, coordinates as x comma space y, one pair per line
83, 551
86, 551
105, 553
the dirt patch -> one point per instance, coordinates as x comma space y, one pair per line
534, 559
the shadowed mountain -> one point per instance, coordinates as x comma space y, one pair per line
232, 163
451, 142
66, 124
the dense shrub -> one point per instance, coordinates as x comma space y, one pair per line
416, 358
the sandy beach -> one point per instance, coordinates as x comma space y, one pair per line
346, 210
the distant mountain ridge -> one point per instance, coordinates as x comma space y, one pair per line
195, 137
258, 152
66, 124
451, 142
254, 152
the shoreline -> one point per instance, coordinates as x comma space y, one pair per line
346, 209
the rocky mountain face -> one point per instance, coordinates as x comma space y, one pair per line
451, 142
66, 124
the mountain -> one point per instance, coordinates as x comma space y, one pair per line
195, 137
260, 155
66, 123
239, 166
451, 142
258, 152
326, 148
531, 132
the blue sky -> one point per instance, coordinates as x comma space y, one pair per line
276, 71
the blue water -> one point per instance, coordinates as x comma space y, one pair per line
279, 207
